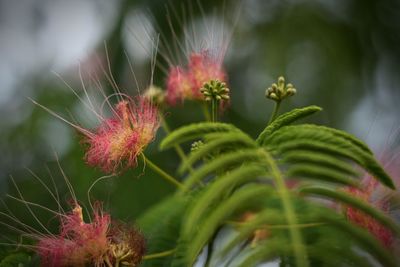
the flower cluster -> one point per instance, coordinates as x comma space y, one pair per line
99, 243
184, 84
117, 142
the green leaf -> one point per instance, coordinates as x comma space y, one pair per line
285, 119
215, 192
219, 141
240, 200
221, 163
161, 225
345, 150
363, 238
316, 132
315, 157
194, 131
321, 173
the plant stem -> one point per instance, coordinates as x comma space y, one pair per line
205, 110
159, 255
295, 234
274, 112
214, 110
177, 148
161, 172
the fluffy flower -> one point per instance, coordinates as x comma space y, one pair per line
203, 67
179, 86
184, 84
80, 243
117, 142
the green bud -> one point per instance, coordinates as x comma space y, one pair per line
281, 81
216, 90
273, 96
279, 91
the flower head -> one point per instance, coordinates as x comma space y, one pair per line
179, 86
98, 242
78, 242
204, 67
120, 139
185, 84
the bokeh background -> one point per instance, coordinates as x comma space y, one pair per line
342, 55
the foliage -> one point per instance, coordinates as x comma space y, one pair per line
237, 174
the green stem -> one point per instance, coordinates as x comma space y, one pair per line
161, 172
159, 255
295, 234
214, 110
275, 111
205, 110
177, 148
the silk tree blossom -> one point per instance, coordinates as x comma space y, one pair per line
79, 243
179, 86
185, 83
116, 143
204, 67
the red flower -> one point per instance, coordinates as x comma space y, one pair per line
78, 242
98, 243
120, 139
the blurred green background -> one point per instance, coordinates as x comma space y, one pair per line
342, 55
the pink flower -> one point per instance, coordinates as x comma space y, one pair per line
179, 86
184, 84
78, 243
96, 243
120, 139
203, 67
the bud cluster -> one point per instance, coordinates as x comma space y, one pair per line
280, 91
196, 145
215, 90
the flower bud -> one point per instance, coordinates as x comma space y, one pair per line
279, 91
